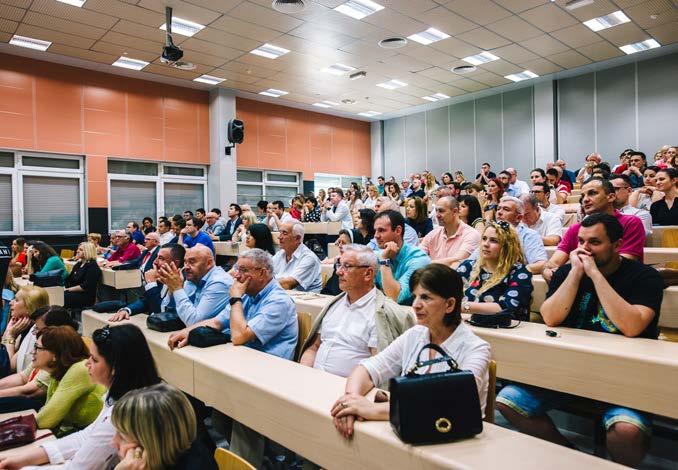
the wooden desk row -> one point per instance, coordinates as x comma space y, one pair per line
290, 404
652, 255
56, 293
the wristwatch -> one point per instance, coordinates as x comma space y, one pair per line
233, 300
385, 262
466, 307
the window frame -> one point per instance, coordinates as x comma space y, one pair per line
265, 182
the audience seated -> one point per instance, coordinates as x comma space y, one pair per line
643, 197
276, 215
602, 291
586, 172
42, 258
495, 191
516, 187
9, 290
417, 216
372, 195
364, 231
152, 246
561, 185
485, 175
191, 235
248, 219
665, 210
73, 401
234, 221
356, 324
598, 196
259, 236
311, 211
547, 225
539, 191
417, 190
213, 227
410, 235
470, 212
19, 259
95, 239
165, 234
136, 235
453, 240
19, 336
155, 298
398, 260
126, 251
538, 175
28, 387
634, 171
622, 193
336, 210
156, 428
498, 280
437, 291
204, 293
295, 266
569, 175
81, 284
147, 224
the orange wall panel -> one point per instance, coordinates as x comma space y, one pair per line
282, 138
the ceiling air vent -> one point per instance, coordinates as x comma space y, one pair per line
393, 43
464, 69
288, 6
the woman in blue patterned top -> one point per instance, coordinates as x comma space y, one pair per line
498, 280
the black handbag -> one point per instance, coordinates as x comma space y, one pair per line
496, 320
205, 336
109, 306
48, 278
437, 407
165, 321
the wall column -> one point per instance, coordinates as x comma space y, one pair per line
377, 154
221, 179
544, 123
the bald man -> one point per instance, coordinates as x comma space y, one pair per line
204, 293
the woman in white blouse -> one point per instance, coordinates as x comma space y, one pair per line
122, 349
437, 293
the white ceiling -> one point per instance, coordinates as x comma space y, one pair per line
538, 35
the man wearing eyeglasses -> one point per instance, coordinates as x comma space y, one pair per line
127, 251
622, 191
357, 323
295, 266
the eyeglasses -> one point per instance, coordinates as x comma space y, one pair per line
346, 267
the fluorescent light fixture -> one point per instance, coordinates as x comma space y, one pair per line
607, 21
435, 97
574, 4
183, 27
519, 77
29, 43
479, 59
273, 93
640, 46
269, 51
326, 104
75, 3
429, 36
369, 113
359, 9
392, 84
338, 69
209, 79
132, 64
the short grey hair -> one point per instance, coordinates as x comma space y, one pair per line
520, 207
529, 199
451, 201
259, 257
298, 229
387, 204
366, 255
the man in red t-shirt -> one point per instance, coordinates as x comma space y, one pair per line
126, 251
598, 197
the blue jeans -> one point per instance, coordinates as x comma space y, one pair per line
532, 401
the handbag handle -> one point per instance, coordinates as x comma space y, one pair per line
443, 358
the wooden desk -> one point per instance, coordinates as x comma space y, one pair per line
41, 435
634, 372
332, 250
228, 248
309, 302
290, 404
56, 293
652, 255
657, 232
326, 228
122, 279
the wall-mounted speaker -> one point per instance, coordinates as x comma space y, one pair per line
236, 131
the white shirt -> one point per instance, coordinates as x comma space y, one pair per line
286, 217
89, 449
166, 237
547, 225
338, 213
347, 333
370, 203
470, 352
303, 266
24, 354
519, 188
556, 210
644, 216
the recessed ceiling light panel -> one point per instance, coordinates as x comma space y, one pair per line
482, 58
519, 77
369, 113
338, 69
29, 43
326, 104
270, 51
359, 9
392, 84
75, 3
435, 97
209, 79
132, 64
640, 46
429, 36
183, 27
272, 92
607, 21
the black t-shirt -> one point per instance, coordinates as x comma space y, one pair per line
418, 193
662, 215
490, 175
635, 282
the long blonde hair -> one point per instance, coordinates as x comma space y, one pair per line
510, 253
160, 418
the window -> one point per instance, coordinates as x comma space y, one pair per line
41, 194
255, 185
324, 181
142, 189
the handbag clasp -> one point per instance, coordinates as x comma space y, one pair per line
443, 425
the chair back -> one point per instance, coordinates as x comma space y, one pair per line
227, 460
670, 240
66, 254
491, 392
305, 323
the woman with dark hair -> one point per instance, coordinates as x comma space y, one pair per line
354, 201
365, 227
446, 178
120, 361
19, 260
259, 236
331, 287
311, 211
147, 224
665, 210
42, 258
495, 191
470, 213
417, 216
437, 290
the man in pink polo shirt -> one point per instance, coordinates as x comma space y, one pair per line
126, 251
452, 241
599, 197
